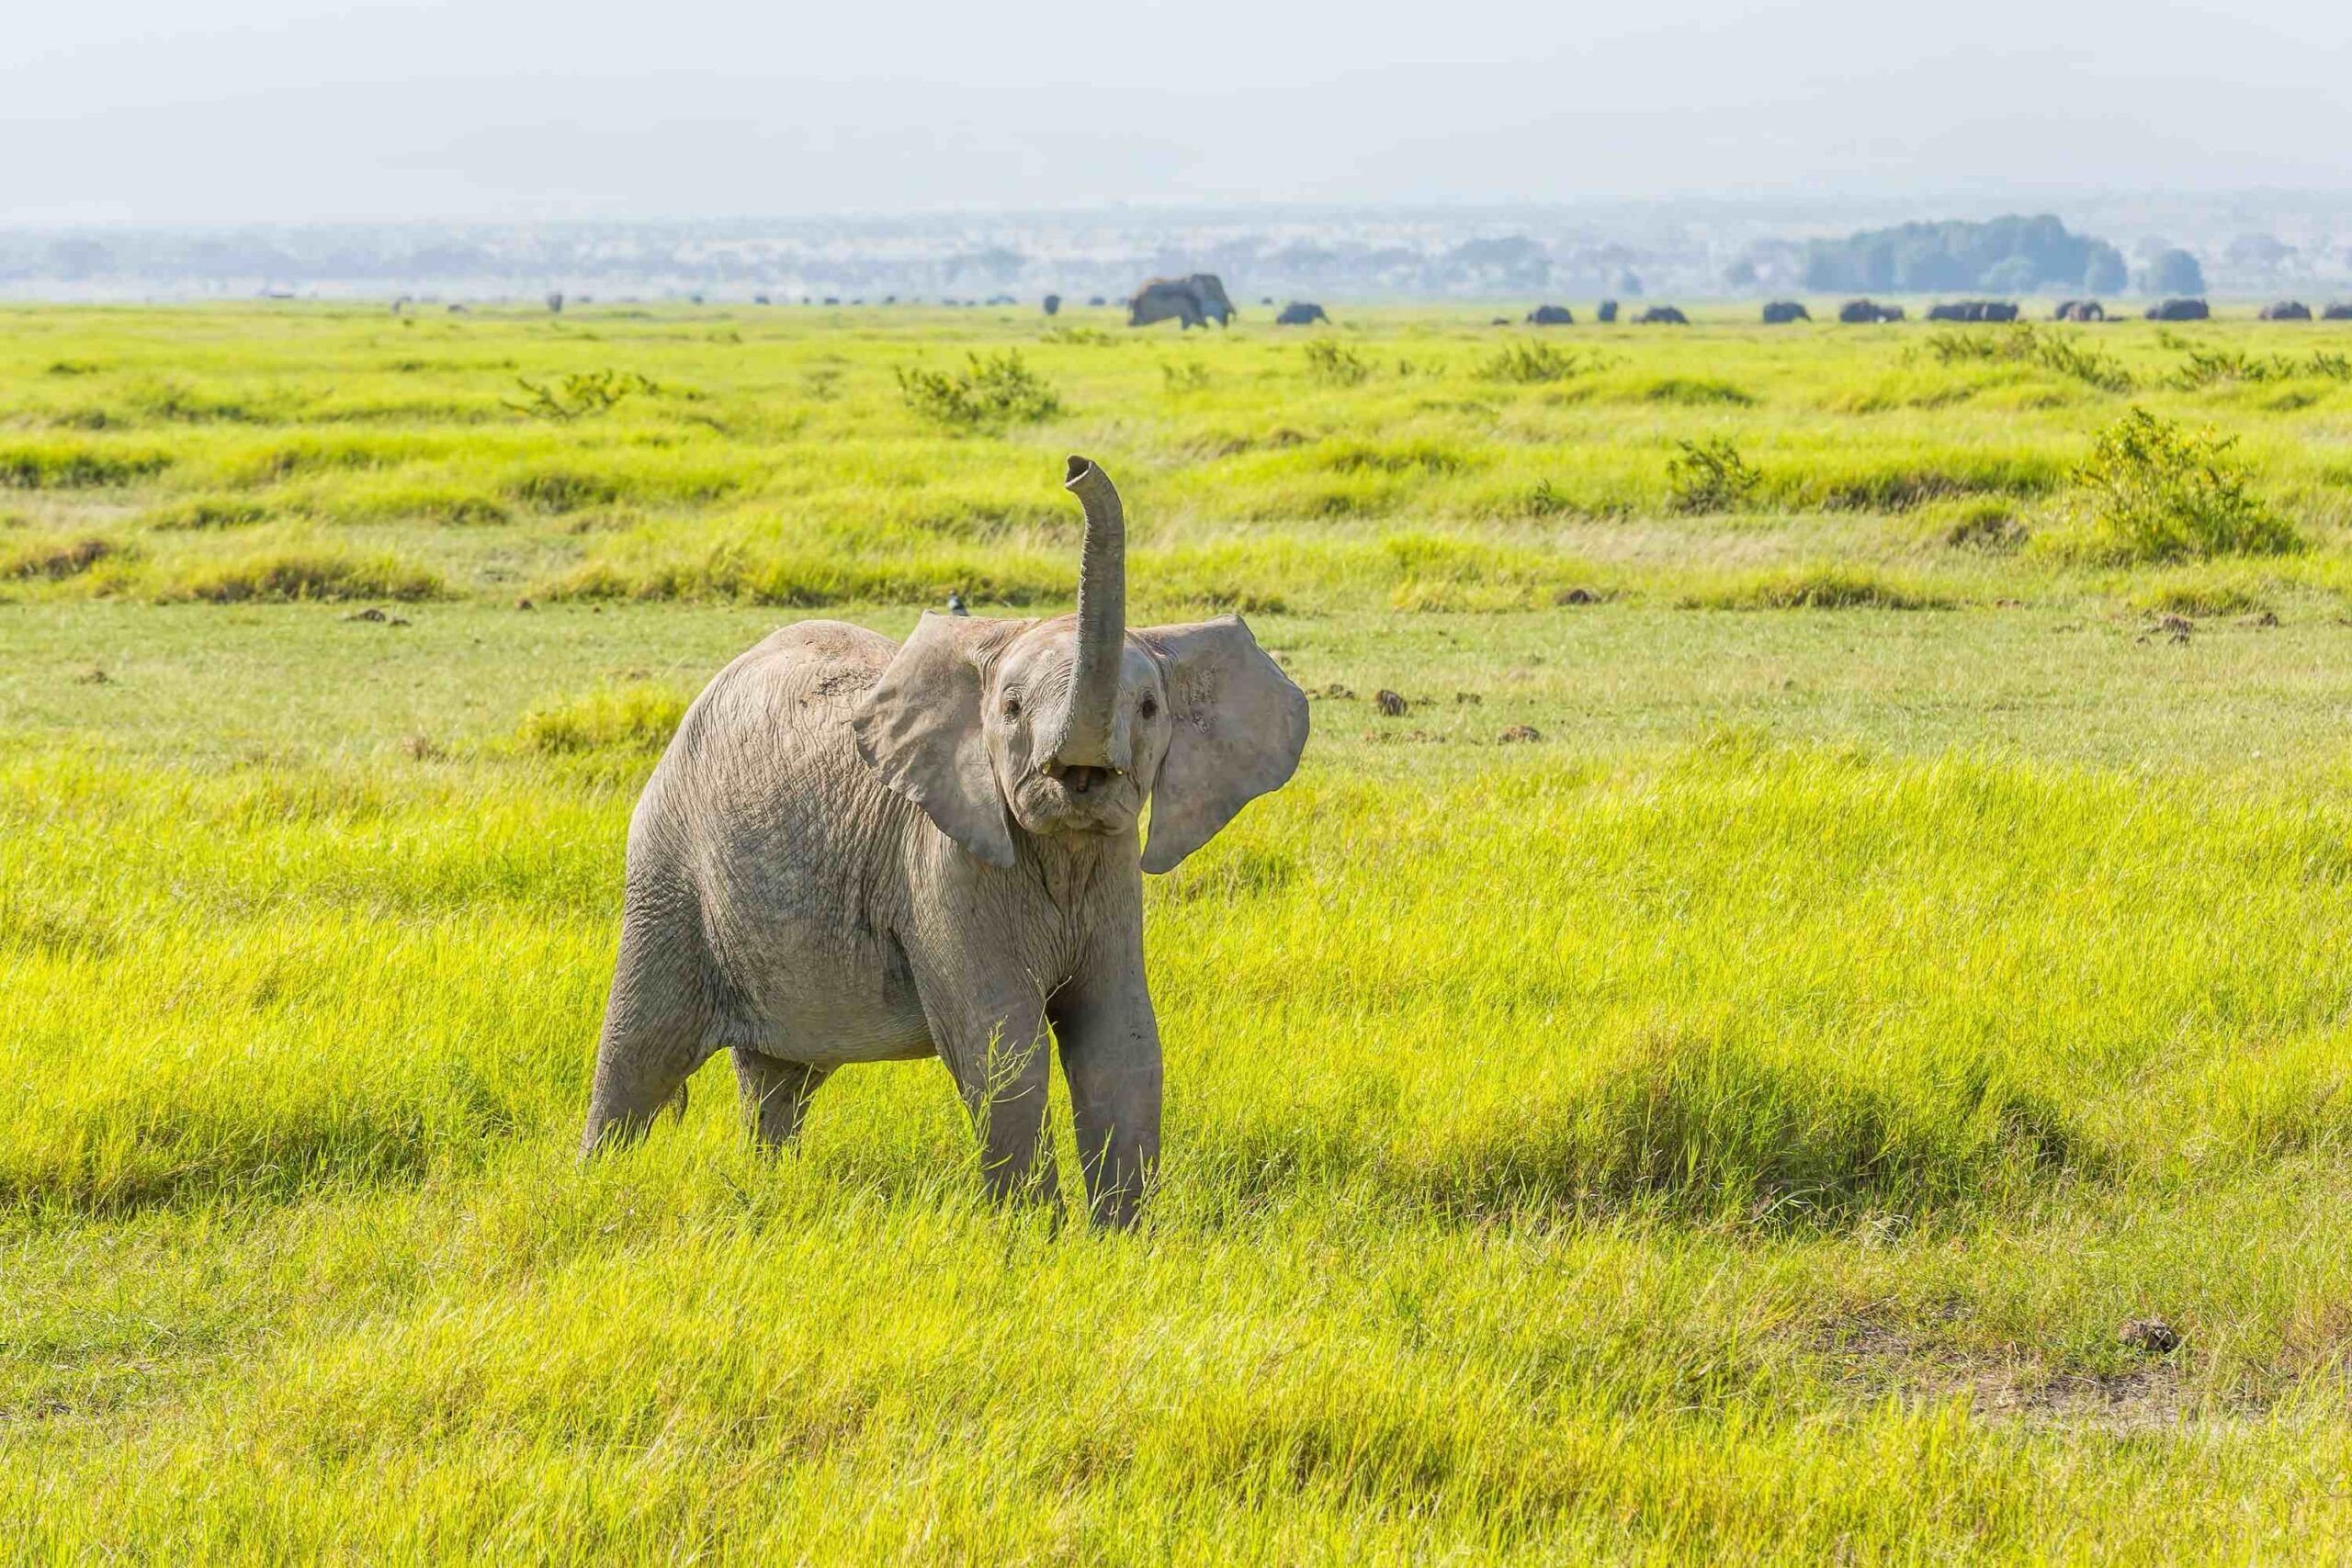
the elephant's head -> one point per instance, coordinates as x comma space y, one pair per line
1068, 725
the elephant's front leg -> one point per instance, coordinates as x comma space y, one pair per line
1002, 1070
1110, 1050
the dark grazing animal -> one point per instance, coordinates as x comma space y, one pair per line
1053, 303
1550, 316
2178, 310
1781, 312
1300, 313
2340, 312
2287, 310
1662, 316
1195, 301
1607, 311
1854, 312
2079, 311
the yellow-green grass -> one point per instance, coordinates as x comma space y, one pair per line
1733, 1124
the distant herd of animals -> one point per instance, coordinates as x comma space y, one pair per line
1201, 298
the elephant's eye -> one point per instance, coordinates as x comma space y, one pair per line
1012, 707
1150, 706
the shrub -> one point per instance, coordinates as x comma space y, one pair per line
289, 575
1710, 476
2201, 596
639, 717
2024, 342
573, 397
993, 389
2152, 490
1334, 364
1534, 362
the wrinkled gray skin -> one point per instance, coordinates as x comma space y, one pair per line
1196, 301
858, 851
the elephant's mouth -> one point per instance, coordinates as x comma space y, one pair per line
1078, 800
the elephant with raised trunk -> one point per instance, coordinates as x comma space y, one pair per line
1196, 301
861, 851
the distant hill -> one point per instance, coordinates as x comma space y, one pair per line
2000, 255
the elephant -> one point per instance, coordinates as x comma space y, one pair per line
555, 302
1662, 316
1960, 311
1856, 312
2336, 313
1607, 312
1195, 301
1995, 311
1551, 316
1052, 304
2079, 311
1781, 312
2178, 310
1299, 313
861, 851
2287, 310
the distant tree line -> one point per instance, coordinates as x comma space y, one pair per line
2002, 255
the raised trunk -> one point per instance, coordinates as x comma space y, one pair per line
1085, 740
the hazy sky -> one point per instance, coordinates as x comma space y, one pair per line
180, 109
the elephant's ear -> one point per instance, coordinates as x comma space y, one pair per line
1236, 726
920, 728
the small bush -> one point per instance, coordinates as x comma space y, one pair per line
293, 575
994, 389
2024, 343
638, 718
568, 397
1334, 364
1823, 587
2153, 490
1710, 476
1534, 362
54, 560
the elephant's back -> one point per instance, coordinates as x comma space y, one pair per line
772, 732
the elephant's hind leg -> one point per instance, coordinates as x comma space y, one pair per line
775, 1094
655, 1031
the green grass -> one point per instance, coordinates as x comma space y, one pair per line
1734, 1125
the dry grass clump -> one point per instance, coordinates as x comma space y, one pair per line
289, 575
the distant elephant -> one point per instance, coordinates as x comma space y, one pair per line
1855, 312
1195, 301
1662, 316
2178, 310
1298, 313
1949, 311
2287, 310
2079, 311
1998, 310
861, 851
1781, 312
1551, 316
1053, 304
555, 302
1607, 312
1096, 299
2336, 313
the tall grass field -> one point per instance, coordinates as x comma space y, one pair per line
1821, 1033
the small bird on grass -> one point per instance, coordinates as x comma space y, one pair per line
956, 604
